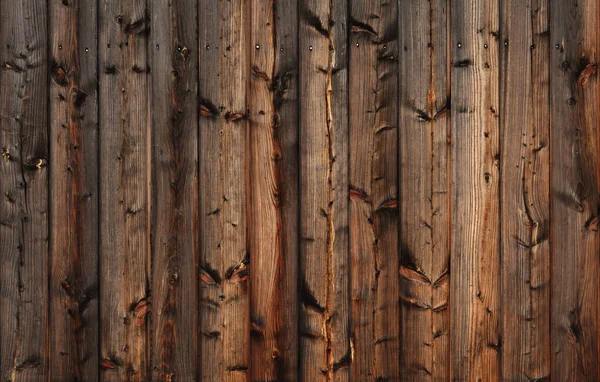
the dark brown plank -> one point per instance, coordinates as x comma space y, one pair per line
224, 256
274, 190
575, 189
475, 265
74, 191
524, 125
374, 223
24, 188
326, 349
424, 185
175, 224
124, 190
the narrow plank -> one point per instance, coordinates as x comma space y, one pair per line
475, 264
24, 188
74, 191
274, 190
424, 190
524, 125
374, 218
124, 191
575, 190
175, 240
326, 349
224, 253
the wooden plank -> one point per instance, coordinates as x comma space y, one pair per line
74, 191
424, 190
24, 188
326, 349
475, 265
274, 190
524, 125
575, 190
224, 256
175, 224
374, 223
124, 190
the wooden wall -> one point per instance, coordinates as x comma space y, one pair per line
281, 190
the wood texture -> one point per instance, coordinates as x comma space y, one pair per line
524, 192
24, 187
274, 190
575, 184
224, 254
175, 243
124, 126
374, 223
299, 190
325, 343
73, 191
424, 190
475, 330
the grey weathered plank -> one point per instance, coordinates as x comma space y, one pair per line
175, 224
224, 255
73, 191
374, 222
326, 348
273, 190
475, 264
24, 189
124, 125
575, 196
524, 127
424, 185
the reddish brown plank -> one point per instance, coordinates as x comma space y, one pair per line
274, 190
525, 205
575, 243
24, 190
73, 191
374, 223
224, 173
475, 330
175, 224
124, 125
424, 196
325, 344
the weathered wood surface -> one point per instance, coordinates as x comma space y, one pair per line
299, 190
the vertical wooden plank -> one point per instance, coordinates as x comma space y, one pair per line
274, 190
175, 239
424, 185
24, 188
73, 191
524, 125
224, 256
326, 349
374, 223
475, 264
575, 189
124, 190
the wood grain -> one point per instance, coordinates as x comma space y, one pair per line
425, 195
24, 187
175, 243
224, 173
575, 190
476, 336
274, 190
326, 350
73, 109
374, 223
525, 205
125, 283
